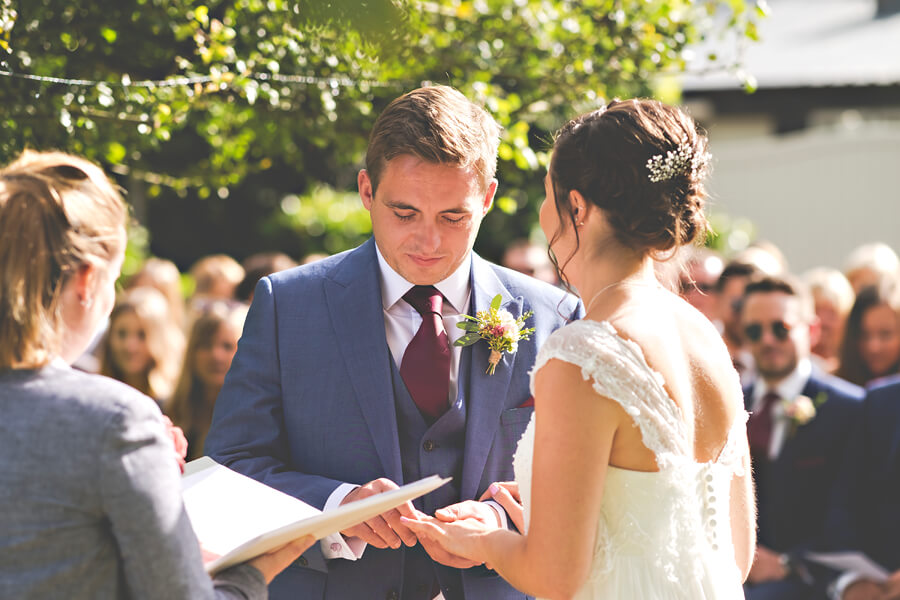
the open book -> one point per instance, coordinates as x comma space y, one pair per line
237, 518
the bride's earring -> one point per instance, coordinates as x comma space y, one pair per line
87, 303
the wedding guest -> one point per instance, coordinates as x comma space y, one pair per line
257, 266
729, 295
90, 491
313, 257
871, 345
163, 275
702, 269
765, 256
530, 258
798, 429
216, 277
347, 381
870, 264
833, 297
863, 509
211, 346
143, 347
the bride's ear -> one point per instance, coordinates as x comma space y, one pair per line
581, 208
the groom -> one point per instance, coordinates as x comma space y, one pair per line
346, 381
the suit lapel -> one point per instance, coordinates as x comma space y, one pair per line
354, 303
486, 393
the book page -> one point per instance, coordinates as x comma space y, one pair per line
237, 518
855, 562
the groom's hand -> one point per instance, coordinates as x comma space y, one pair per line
385, 530
468, 509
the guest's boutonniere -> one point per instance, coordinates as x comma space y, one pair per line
498, 327
801, 410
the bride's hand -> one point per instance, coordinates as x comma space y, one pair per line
460, 538
506, 494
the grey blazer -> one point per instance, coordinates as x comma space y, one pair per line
90, 496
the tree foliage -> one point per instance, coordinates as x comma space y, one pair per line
221, 116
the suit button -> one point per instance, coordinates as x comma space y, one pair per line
303, 562
392, 595
429, 445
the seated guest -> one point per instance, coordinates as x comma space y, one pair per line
871, 345
216, 277
799, 424
530, 258
143, 346
870, 264
833, 297
211, 346
90, 491
765, 256
163, 275
257, 266
729, 295
702, 268
863, 511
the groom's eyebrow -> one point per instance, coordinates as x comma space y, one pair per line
459, 210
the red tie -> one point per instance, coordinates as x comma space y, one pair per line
759, 427
426, 363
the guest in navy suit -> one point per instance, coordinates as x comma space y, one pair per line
798, 429
346, 381
863, 512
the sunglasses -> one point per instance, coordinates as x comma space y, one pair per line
780, 329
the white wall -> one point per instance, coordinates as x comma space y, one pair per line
816, 194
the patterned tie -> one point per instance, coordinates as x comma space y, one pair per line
425, 368
759, 426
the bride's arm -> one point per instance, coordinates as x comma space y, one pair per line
743, 515
574, 431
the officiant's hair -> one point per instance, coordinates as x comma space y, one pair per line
607, 156
57, 213
438, 125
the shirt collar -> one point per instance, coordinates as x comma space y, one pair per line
455, 288
788, 388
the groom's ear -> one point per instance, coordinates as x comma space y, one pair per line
489, 196
366, 191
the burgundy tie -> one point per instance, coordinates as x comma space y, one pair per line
426, 363
759, 426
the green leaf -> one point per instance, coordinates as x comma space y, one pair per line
468, 326
467, 340
108, 34
496, 302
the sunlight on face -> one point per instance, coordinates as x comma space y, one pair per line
425, 216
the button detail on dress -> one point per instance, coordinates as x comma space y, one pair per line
429, 445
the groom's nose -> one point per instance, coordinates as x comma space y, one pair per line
428, 238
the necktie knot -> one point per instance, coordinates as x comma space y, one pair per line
425, 299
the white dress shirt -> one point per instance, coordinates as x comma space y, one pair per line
401, 322
789, 388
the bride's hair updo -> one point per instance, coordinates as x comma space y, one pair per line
643, 163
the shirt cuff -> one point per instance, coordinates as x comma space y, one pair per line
336, 545
501, 514
843, 582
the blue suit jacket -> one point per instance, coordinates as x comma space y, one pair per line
865, 510
792, 491
308, 403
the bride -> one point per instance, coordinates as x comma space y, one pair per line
634, 471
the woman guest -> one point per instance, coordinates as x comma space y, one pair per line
871, 345
163, 275
104, 517
211, 346
143, 346
834, 298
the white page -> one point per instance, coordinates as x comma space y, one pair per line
237, 518
856, 562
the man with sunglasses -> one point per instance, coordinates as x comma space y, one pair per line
798, 429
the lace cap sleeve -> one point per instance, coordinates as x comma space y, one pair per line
617, 370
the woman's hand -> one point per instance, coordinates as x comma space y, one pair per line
178, 439
506, 494
274, 562
461, 538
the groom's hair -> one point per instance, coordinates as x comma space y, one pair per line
438, 125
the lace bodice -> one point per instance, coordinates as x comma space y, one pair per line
673, 522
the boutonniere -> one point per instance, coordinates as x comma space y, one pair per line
502, 331
801, 410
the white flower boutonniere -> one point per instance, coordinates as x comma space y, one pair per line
498, 327
800, 410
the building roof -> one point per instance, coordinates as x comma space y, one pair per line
809, 43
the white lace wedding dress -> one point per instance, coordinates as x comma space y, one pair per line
663, 534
